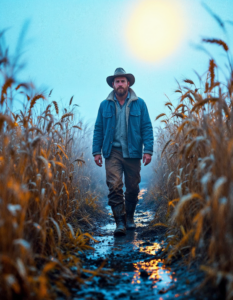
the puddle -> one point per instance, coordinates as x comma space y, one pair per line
137, 274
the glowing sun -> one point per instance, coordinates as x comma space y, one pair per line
155, 29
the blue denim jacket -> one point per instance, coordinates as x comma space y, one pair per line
139, 127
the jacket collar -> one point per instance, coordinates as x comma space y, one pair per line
133, 96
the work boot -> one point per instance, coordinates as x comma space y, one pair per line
130, 209
120, 219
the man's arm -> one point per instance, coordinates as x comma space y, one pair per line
147, 135
98, 138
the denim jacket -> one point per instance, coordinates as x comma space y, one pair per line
139, 127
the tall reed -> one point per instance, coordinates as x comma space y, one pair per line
196, 147
42, 208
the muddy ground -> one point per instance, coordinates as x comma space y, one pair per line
139, 271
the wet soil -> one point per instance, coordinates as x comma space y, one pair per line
139, 271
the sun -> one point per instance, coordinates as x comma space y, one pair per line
155, 29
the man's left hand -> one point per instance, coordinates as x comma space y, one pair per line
146, 159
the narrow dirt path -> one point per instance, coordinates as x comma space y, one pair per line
137, 273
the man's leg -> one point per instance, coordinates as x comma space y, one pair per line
132, 168
114, 172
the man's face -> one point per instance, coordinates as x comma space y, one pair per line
120, 86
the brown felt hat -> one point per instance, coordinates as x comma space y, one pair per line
120, 72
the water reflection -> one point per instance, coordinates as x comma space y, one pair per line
130, 239
141, 193
153, 270
150, 249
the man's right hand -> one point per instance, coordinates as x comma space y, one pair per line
98, 160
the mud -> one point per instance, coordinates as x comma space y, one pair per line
139, 271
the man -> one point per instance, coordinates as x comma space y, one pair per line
122, 127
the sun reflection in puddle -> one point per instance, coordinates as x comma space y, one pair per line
153, 270
150, 249
141, 193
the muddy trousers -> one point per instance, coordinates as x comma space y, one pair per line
116, 166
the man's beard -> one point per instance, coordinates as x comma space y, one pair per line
121, 92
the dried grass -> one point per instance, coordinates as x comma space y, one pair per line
194, 176
44, 204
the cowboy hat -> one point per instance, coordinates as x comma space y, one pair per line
120, 72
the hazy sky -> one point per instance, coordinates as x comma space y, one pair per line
72, 46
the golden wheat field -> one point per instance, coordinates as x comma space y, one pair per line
196, 147
45, 203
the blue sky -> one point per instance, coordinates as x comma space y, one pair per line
72, 46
